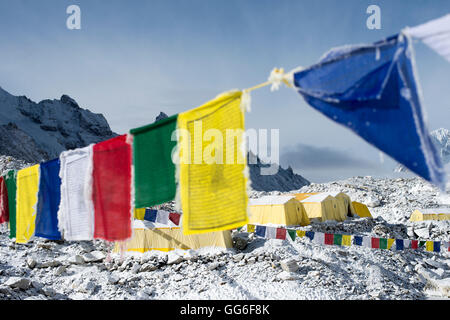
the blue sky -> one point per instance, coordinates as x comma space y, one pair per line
133, 59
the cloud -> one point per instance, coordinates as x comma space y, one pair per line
310, 157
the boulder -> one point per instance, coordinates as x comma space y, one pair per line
240, 240
289, 265
147, 267
49, 264
423, 233
31, 263
213, 266
136, 267
238, 257
174, 258
76, 259
94, 256
60, 270
16, 282
286, 276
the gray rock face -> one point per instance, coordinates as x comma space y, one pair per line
20, 283
94, 256
76, 259
240, 240
441, 140
41, 131
173, 258
283, 180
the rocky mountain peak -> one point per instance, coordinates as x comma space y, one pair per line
35, 132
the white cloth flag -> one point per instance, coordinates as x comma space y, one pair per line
435, 34
319, 237
76, 210
162, 217
367, 242
406, 244
271, 233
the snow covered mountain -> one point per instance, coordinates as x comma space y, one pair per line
284, 180
41, 131
441, 139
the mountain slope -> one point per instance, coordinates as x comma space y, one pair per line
441, 139
284, 180
41, 131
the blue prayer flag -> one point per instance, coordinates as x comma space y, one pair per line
399, 244
49, 197
357, 240
372, 90
261, 231
437, 246
150, 215
310, 235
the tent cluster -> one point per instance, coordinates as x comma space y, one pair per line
94, 192
300, 208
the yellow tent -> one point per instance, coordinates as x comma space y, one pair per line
323, 206
302, 196
146, 237
361, 210
430, 214
346, 201
279, 210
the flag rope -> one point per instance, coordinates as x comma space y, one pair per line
348, 240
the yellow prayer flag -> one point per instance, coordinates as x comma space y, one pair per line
430, 245
27, 192
301, 233
213, 186
390, 242
139, 213
346, 240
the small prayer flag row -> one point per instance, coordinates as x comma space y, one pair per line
347, 240
162, 216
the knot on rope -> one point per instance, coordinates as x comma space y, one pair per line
276, 77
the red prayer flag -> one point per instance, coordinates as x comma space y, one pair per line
175, 218
414, 244
329, 238
111, 194
376, 243
4, 208
281, 233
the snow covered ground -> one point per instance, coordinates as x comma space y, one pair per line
86, 270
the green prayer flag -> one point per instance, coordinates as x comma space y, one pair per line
292, 234
383, 243
422, 243
11, 187
154, 170
337, 240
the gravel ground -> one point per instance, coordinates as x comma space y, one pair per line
265, 269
